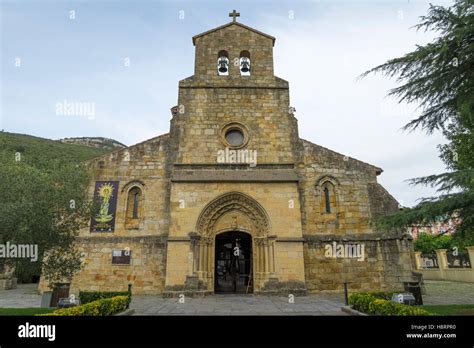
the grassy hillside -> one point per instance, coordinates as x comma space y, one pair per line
98, 142
37, 151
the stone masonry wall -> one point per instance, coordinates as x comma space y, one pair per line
386, 265
145, 165
359, 201
179, 175
274, 199
351, 214
207, 101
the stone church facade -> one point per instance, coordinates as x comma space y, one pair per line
232, 200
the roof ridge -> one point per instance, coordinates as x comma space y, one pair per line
229, 24
355, 159
126, 148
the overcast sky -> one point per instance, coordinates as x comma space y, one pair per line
78, 51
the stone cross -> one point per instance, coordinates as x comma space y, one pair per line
234, 14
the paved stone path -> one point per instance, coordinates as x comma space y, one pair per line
239, 305
24, 296
444, 292
437, 292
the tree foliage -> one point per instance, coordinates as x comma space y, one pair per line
427, 243
439, 77
43, 196
41, 204
60, 264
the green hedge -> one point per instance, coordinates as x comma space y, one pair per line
102, 307
383, 294
378, 304
90, 296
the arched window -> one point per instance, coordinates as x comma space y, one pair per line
328, 194
134, 203
328, 197
327, 200
136, 200
223, 63
245, 63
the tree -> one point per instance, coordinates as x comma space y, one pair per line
427, 243
60, 264
43, 205
440, 78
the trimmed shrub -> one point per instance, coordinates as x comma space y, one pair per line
90, 296
370, 304
382, 307
102, 307
361, 301
410, 310
384, 295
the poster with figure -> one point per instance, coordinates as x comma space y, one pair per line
105, 200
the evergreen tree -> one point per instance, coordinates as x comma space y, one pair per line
439, 77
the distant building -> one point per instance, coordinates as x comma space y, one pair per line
443, 225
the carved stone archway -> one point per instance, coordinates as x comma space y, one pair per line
233, 211
232, 201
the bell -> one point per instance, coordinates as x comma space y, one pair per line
222, 65
222, 68
245, 66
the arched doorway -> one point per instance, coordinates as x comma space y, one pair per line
233, 263
233, 212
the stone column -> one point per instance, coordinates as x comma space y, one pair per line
201, 257
194, 254
258, 258
196, 257
191, 259
470, 251
7, 280
205, 257
210, 257
266, 253
442, 262
271, 256
418, 260
261, 265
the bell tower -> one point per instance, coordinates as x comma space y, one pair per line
234, 89
234, 147
248, 51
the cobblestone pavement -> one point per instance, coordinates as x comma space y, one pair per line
239, 305
25, 295
437, 292
444, 292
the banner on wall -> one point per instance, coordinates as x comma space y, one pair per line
105, 200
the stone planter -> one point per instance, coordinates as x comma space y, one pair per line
60, 291
8, 283
125, 312
351, 311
